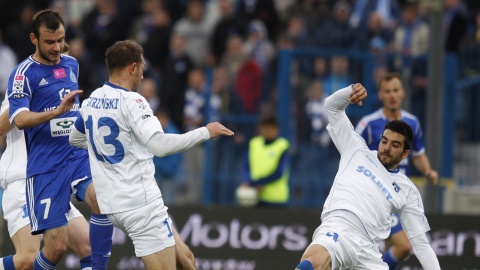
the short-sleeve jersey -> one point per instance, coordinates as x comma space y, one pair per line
36, 87
371, 127
118, 123
14, 159
366, 188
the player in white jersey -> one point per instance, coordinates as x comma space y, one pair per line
367, 189
13, 164
122, 134
370, 127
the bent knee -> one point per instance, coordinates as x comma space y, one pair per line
24, 261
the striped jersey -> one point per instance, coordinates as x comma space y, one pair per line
36, 87
371, 127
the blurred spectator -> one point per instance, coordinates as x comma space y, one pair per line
196, 28
167, 169
143, 24
148, 89
9, 61
320, 68
315, 109
17, 35
85, 82
156, 47
263, 10
227, 25
388, 12
455, 25
339, 76
412, 35
257, 46
194, 114
267, 165
336, 32
174, 80
101, 27
297, 30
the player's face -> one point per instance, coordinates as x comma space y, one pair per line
138, 75
391, 94
390, 150
269, 132
49, 45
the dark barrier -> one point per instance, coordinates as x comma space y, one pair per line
242, 239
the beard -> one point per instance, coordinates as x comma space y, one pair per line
45, 56
390, 162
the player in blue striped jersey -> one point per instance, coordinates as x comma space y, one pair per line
370, 127
43, 103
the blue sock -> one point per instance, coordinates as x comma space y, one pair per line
305, 265
7, 262
390, 259
42, 263
101, 230
86, 262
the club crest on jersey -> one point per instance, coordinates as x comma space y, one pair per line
73, 78
59, 73
141, 104
18, 84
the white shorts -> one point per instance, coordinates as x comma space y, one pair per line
14, 204
347, 249
149, 227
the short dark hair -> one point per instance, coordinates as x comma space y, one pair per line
388, 78
48, 18
123, 53
269, 120
401, 127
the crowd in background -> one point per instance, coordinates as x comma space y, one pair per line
210, 59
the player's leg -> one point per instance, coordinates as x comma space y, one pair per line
101, 229
315, 257
48, 204
78, 237
151, 232
184, 257
164, 259
397, 246
26, 248
15, 214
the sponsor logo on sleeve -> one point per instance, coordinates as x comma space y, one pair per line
18, 83
145, 116
141, 104
59, 73
61, 126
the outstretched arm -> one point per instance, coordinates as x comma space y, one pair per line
162, 144
424, 252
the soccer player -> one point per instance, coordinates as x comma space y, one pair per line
122, 134
370, 127
44, 105
367, 189
13, 166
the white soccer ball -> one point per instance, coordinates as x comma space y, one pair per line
246, 196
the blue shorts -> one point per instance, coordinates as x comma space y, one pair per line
48, 194
396, 225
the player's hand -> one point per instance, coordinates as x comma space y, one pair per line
358, 94
432, 176
216, 129
68, 101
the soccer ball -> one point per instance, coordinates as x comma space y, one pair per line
246, 196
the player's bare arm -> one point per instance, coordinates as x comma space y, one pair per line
423, 165
28, 119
